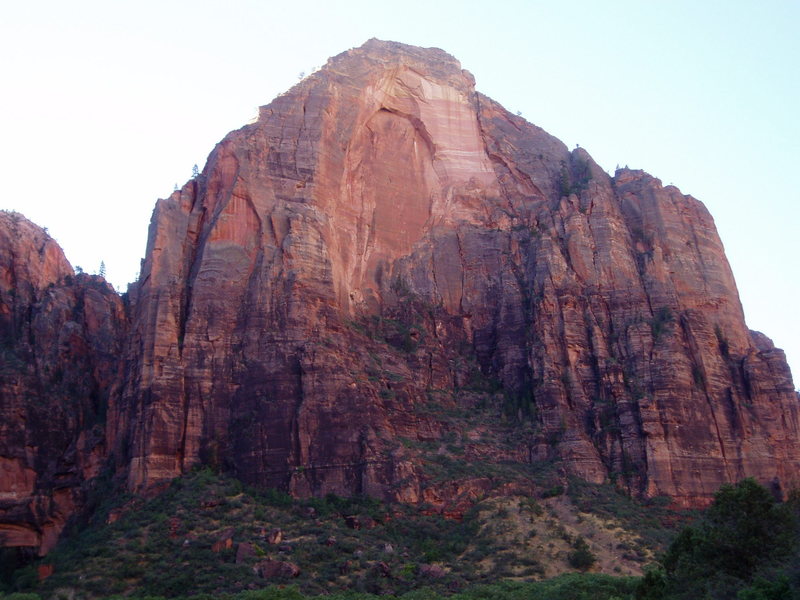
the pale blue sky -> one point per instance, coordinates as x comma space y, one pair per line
106, 105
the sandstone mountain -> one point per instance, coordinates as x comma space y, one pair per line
386, 247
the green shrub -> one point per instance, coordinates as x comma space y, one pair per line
581, 557
20, 596
763, 589
660, 322
556, 490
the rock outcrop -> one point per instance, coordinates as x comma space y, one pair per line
61, 338
381, 226
382, 246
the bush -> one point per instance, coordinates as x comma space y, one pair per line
660, 322
762, 589
581, 557
552, 492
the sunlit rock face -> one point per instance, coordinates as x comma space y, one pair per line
384, 183
60, 345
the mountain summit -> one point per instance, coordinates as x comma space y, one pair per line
389, 272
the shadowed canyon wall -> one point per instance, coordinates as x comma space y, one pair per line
61, 339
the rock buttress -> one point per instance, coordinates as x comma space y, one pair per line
61, 338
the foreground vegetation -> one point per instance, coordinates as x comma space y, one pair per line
207, 537
745, 546
571, 586
206, 534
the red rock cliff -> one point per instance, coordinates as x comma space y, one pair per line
61, 340
383, 193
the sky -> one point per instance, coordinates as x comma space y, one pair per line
106, 105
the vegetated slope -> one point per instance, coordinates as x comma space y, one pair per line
206, 534
208, 537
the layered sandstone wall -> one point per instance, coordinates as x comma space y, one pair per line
383, 245
606, 303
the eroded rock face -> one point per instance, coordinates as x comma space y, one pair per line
61, 340
382, 235
382, 246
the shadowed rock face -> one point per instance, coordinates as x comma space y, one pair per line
383, 244
60, 342
384, 192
